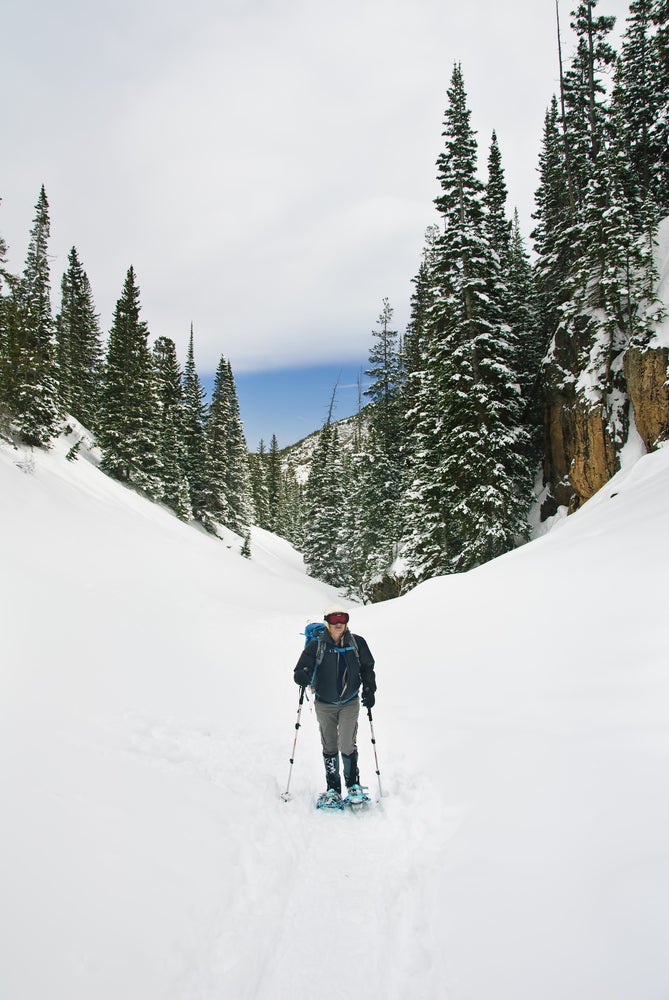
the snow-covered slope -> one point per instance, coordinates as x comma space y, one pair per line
147, 712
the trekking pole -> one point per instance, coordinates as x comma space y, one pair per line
285, 796
376, 759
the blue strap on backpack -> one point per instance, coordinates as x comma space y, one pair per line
315, 630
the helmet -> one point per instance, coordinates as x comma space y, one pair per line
336, 615
335, 609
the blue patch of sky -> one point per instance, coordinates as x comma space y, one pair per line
294, 402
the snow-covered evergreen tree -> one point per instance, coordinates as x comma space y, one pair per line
469, 491
326, 509
7, 360
228, 471
555, 220
33, 389
217, 430
239, 478
128, 423
196, 458
660, 128
585, 94
78, 345
523, 316
291, 507
376, 472
260, 492
273, 481
497, 224
176, 492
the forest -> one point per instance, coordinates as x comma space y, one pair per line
517, 381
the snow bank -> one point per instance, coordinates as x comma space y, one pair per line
147, 717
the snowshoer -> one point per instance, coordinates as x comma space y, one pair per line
338, 666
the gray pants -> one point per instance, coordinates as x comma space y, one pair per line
339, 726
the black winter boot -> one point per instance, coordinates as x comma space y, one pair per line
351, 773
332, 772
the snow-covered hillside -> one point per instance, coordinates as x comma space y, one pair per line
521, 849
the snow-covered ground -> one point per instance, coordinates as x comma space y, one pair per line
147, 712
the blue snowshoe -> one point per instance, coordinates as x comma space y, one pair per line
330, 800
356, 797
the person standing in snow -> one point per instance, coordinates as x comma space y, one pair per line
337, 667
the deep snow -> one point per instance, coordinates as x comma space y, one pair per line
147, 711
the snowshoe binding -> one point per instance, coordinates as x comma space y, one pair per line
330, 800
357, 797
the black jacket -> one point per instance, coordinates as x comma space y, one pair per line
342, 670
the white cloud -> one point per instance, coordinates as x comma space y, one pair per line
268, 167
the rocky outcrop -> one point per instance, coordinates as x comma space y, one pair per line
580, 455
594, 460
583, 439
648, 389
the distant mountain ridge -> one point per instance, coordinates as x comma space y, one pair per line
300, 454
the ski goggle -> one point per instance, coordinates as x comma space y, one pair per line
337, 618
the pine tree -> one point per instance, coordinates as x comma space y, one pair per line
259, 489
607, 299
196, 457
385, 377
239, 478
78, 345
326, 509
128, 429
175, 489
33, 396
291, 507
497, 225
6, 358
376, 475
228, 469
217, 430
469, 497
585, 94
555, 217
660, 129
273, 481
523, 317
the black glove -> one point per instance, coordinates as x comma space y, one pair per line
368, 698
303, 677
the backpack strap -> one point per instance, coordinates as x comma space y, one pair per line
322, 646
357, 651
320, 653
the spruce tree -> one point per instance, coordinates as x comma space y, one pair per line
259, 489
217, 430
175, 489
291, 507
377, 472
79, 348
469, 496
497, 225
239, 478
585, 93
273, 481
33, 397
660, 129
228, 468
196, 458
128, 425
325, 508
6, 359
523, 316
555, 217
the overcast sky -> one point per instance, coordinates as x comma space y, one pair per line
267, 166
